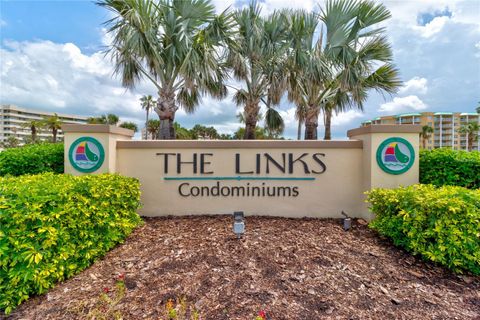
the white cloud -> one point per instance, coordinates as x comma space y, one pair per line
346, 118
59, 77
269, 6
433, 27
3, 23
415, 85
107, 38
62, 78
289, 118
408, 103
221, 5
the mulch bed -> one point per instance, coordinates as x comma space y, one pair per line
292, 268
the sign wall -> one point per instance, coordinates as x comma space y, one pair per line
280, 178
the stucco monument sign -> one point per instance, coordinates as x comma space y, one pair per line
281, 178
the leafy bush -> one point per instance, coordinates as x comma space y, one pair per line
450, 167
32, 159
440, 224
53, 226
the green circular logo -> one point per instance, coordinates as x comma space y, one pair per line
86, 154
395, 155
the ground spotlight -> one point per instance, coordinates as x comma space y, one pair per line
238, 223
347, 221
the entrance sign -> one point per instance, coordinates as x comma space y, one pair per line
261, 177
86, 154
395, 155
266, 167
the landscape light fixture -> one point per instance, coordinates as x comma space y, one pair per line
347, 221
238, 223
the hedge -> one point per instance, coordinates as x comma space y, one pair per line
32, 159
54, 226
441, 224
450, 167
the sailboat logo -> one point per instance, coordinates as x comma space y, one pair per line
86, 154
395, 155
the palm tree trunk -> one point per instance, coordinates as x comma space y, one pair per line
146, 126
251, 115
311, 123
328, 124
310, 131
54, 133
166, 112
299, 130
164, 130
34, 133
250, 126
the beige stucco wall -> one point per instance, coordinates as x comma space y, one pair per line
338, 188
351, 169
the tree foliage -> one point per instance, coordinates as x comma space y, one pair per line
470, 130
129, 125
179, 46
334, 72
110, 119
426, 133
258, 61
32, 159
54, 124
450, 167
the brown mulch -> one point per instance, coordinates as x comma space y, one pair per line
292, 268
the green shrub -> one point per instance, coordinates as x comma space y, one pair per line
450, 167
32, 159
53, 226
440, 224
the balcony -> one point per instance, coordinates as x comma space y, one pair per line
444, 126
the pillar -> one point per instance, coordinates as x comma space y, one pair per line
92, 148
390, 156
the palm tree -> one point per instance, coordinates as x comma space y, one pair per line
112, 119
478, 107
471, 131
257, 60
336, 75
34, 126
54, 124
129, 125
176, 45
153, 127
97, 120
147, 105
302, 27
426, 134
181, 132
300, 115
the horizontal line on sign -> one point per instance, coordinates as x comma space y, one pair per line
242, 178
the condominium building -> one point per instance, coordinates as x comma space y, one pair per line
13, 119
446, 126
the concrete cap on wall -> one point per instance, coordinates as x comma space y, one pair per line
385, 128
239, 144
97, 128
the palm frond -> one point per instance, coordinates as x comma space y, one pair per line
274, 121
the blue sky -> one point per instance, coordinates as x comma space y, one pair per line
51, 59
58, 21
